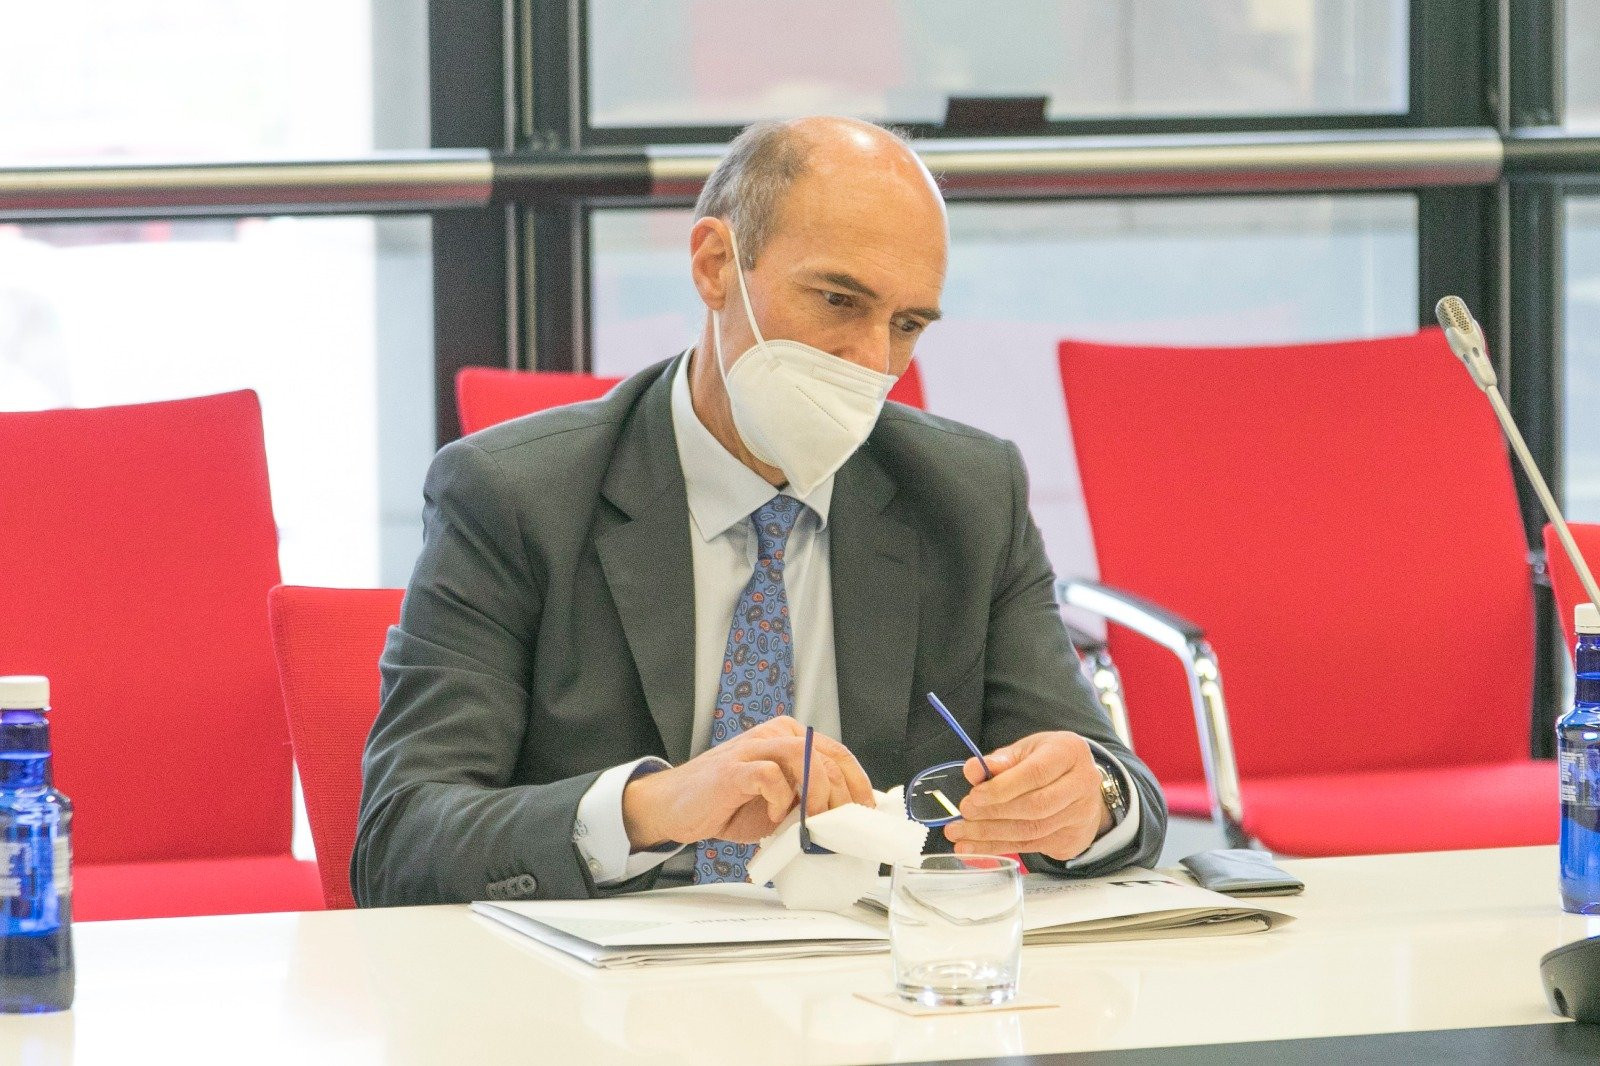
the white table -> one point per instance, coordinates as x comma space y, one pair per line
1383, 944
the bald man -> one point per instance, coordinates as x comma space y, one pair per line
626, 612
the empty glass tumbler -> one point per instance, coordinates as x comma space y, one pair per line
955, 930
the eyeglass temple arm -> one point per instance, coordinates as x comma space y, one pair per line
1188, 642
805, 790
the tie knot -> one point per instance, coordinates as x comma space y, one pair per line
774, 522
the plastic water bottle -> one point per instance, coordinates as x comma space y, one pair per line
1578, 750
36, 971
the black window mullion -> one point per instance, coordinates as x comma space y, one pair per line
1453, 47
1453, 70
557, 278
1536, 48
1452, 64
1533, 386
1457, 251
555, 234
467, 109
1535, 365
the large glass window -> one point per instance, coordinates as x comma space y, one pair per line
1024, 276
710, 62
171, 79
1582, 384
1582, 81
125, 312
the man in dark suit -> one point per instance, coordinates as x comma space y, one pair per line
626, 611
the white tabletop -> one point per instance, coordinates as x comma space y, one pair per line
1383, 944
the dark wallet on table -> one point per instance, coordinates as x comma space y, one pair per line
1241, 872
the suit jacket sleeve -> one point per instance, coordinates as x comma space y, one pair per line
1032, 682
441, 820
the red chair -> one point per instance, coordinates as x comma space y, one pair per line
1339, 522
908, 389
1564, 576
328, 642
486, 397
139, 546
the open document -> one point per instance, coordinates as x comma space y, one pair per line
735, 922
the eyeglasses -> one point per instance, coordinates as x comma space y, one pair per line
934, 796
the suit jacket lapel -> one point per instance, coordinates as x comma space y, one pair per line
874, 560
648, 563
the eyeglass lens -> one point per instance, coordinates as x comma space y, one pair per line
934, 796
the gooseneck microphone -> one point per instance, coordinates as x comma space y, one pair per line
1461, 330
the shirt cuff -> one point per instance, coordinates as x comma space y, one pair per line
1119, 836
599, 833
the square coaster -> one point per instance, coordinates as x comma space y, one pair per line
922, 1010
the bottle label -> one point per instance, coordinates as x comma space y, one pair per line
1580, 778
16, 868
61, 860
29, 902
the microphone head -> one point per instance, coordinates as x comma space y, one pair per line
1465, 337
1452, 313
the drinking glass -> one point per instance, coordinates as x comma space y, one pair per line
955, 929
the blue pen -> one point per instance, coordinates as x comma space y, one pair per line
950, 720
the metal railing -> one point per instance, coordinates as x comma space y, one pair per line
413, 182
968, 169
1146, 165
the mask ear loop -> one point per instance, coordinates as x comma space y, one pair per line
716, 339
749, 313
744, 293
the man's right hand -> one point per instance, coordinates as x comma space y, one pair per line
742, 788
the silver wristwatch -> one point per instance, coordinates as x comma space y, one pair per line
1111, 792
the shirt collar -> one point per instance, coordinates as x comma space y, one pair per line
722, 492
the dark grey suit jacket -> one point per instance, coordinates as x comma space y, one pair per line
548, 633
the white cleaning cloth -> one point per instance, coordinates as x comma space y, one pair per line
860, 838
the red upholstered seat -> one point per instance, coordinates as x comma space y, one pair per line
486, 396
1564, 576
1509, 804
138, 548
328, 642
1340, 519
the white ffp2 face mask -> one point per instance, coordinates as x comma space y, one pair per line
797, 407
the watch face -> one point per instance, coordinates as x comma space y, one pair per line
1111, 792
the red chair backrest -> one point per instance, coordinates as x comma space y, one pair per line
486, 397
908, 388
328, 642
1564, 576
1340, 518
137, 546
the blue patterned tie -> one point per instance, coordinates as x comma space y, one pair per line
758, 668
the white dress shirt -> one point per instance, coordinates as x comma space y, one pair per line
722, 492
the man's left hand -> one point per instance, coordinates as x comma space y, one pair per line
1044, 797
